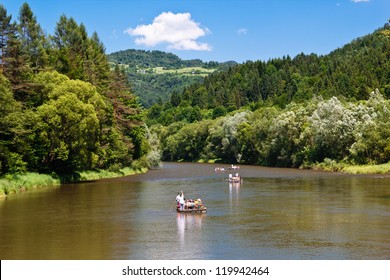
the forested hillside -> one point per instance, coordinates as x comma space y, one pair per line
351, 72
287, 111
155, 75
151, 59
62, 109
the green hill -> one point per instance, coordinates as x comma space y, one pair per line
155, 75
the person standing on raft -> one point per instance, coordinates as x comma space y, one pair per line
182, 201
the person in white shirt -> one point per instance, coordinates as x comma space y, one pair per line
182, 201
178, 200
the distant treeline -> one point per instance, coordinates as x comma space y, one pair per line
151, 59
61, 108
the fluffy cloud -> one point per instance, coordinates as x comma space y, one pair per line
358, 1
178, 30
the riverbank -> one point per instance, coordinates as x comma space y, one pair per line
368, 169
15, 183
333, 166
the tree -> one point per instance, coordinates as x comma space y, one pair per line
126, 114
69, 42
15, 66
78, 56
175, 99
69, 127
284, 138
372, 133
96, 67
188, 142
34, 42
223, 137
5, 30
331, 129
10, 122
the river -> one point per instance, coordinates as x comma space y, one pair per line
275, 213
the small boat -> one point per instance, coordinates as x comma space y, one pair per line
234, 167
202, 209
192, 206
236, 180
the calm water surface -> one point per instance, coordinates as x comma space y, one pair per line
274, 214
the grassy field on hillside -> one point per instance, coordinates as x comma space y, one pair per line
187, 71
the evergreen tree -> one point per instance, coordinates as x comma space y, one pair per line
5, 30
126, 113
15, 66
69, 42
96, 67
34, 42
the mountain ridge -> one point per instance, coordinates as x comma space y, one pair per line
156, 58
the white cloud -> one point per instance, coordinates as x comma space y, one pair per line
359, 1
178, 30
242, 31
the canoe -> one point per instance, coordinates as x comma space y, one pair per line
201, 210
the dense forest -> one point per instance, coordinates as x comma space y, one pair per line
61, 107
291, 112
152, 87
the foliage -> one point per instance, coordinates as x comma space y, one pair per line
156, 75
151, 59
17, 182
351, 72
328, 131
154, 88
325, 111
61, 108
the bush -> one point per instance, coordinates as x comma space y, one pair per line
330, 165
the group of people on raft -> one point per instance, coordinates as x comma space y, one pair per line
236, 178
221, 169
187, 204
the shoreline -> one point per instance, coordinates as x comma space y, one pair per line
18, 183
366, 169
333, 166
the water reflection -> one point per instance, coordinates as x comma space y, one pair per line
189, 231
234, 193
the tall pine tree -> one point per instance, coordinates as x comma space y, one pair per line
34, 42
5, 29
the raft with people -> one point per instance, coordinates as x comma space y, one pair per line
235, 179
189, 205
234, 167
202, 209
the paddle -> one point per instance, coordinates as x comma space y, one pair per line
174, 203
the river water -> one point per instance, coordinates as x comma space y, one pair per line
275, 213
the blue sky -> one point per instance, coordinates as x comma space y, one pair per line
225, 30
